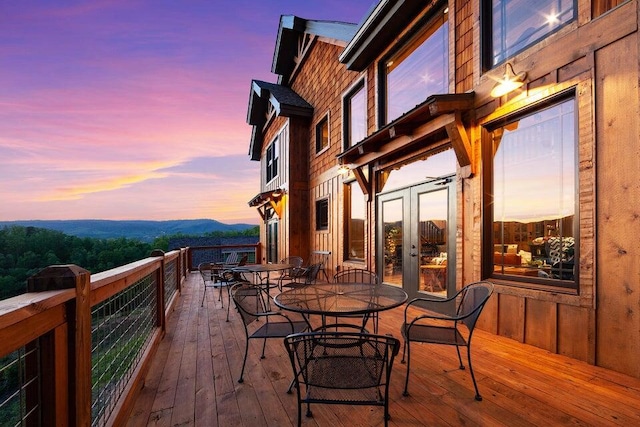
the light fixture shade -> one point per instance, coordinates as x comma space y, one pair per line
510, 82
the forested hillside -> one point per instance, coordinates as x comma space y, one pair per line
26, 250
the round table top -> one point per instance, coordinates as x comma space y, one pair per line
263, 268
341, 298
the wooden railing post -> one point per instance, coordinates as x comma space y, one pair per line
78, 342
160, 289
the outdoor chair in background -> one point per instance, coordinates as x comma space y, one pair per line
292, 273
359, 275
222, 276
344, 368
454, 329
304, 277
258, 321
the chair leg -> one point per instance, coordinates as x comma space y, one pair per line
460, 358
264, 344
228, 302
473, 377
244, 361
203, 295
406, 381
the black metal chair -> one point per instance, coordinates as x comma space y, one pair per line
251, 302
345, 368
292, 273
305, 277
222, 276
359, 275
455, 328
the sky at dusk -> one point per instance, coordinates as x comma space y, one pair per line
136, 109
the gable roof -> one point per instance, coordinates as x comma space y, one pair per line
381, 26
289, 31
284, 101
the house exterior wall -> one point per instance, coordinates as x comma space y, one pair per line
322, 81
597, 57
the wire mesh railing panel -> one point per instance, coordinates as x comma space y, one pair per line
121, 329
170, 281
20, 387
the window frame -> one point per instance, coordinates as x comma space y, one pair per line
486, 35
545, 284
271, 157
358, 86
348, 195
322, 207
320, 148
425, 25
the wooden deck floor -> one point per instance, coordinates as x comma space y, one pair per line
193, 381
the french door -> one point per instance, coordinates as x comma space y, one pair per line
416, 238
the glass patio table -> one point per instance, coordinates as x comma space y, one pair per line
261, 272
341, 299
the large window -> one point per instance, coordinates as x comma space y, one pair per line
354, 106
509, 26
271, 161
534, 229
417, 70
355, 214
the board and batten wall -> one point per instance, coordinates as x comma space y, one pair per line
599, 60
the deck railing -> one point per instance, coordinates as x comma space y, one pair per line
74, 348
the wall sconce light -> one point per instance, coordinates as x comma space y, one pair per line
510, 82
344, 169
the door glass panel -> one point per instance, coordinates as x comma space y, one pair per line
392, 226
432, 232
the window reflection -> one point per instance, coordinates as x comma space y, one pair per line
534, 194
437, 165
516, 24
356, 214
356, 109
419, 70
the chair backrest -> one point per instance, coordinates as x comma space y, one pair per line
356, 275
206, 271
311, 273
472, 299
249, 301
232, 258
295, 261
342, 360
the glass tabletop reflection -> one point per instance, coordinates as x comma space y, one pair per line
341, 298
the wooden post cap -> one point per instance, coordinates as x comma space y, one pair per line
55, 277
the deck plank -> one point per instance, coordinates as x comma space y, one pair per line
193, 381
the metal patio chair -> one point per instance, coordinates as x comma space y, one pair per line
359, 275
222, 276
304, 277
346, 368
293, 273
251, 302
448, 329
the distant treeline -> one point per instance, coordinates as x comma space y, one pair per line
26, 250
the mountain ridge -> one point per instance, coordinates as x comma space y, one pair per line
144, 230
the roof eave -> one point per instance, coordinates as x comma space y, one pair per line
380, 27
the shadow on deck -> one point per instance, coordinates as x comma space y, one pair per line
193, 381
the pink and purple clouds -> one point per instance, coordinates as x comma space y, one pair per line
135, 109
